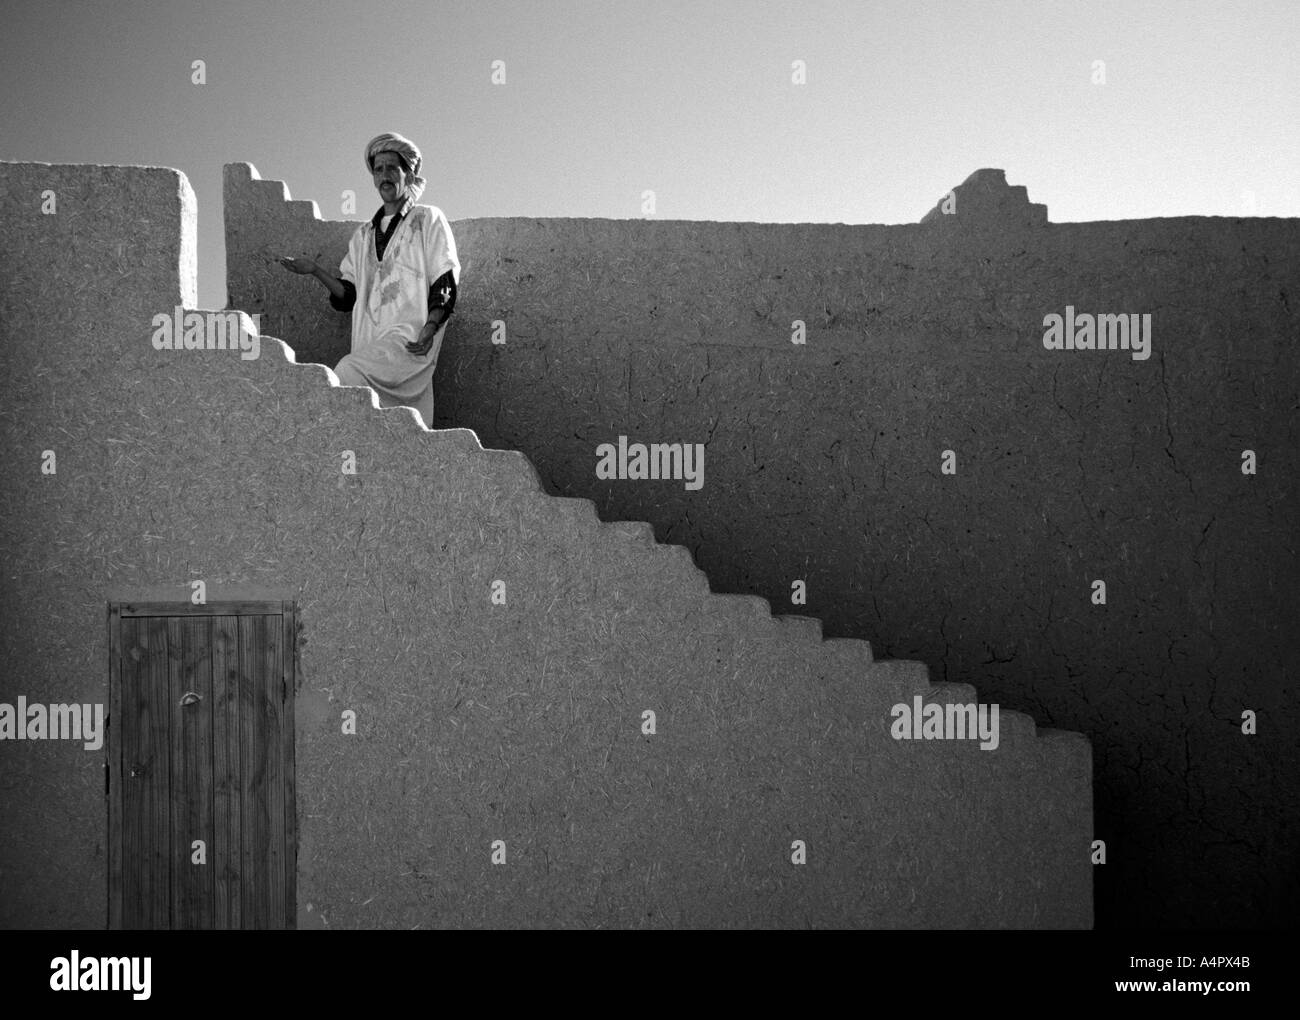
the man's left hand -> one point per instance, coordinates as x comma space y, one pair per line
421, 346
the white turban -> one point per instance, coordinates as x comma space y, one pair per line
404, 147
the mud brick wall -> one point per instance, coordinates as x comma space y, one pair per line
119, 246
824, 464
476, 722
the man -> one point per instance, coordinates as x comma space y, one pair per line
398, 279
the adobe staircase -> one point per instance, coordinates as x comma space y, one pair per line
904, 833
766, 733
990, 838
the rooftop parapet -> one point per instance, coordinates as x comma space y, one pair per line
985, 199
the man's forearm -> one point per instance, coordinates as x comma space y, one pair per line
435, 320
442, 301
331, 282
422, 344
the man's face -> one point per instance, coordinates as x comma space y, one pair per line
391, 177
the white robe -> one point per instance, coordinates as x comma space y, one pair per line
393, 305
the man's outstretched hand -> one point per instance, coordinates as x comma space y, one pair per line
424, 343
300, 265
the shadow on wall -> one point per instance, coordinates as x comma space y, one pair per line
938, 480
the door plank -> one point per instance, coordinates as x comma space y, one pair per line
191, 788
226, 863
252, 789
289, 653
133, 731
271, 695
153, 777
114, 764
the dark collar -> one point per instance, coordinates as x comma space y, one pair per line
402, 210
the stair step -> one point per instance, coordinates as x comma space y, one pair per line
1015, 728
1017, 725
904, 678
270, 190
304, 207
849, 657
578, 509
354, 397
514, 465
953, 694
742, 608
799, 628
693, 579
638, 531
464, 441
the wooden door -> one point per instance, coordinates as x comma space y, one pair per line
200, 786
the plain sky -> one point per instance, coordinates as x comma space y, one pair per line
692, 99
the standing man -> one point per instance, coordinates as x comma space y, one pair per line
398, 280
